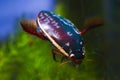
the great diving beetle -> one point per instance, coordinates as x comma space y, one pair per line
61, 33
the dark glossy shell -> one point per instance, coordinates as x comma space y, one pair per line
63, 32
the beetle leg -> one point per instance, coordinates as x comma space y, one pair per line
91, 23
54, 52
41, 34
63, 58
30, 27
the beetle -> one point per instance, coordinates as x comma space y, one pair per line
61, 33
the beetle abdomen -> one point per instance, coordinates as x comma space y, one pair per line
62, 31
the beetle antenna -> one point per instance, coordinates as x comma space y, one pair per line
63, 63
89, 60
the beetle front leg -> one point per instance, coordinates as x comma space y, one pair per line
63, 58
54, 52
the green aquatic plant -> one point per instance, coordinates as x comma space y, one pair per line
29, 58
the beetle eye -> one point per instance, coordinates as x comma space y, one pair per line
72, 55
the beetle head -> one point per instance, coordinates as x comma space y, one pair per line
76, 57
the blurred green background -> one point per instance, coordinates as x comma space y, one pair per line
26, 57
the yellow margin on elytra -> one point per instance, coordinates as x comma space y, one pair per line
52, 40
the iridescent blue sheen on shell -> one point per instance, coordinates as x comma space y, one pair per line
63, 32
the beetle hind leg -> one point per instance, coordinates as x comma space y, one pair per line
30, 26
